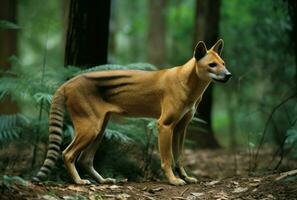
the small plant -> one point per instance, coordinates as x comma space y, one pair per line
11, 127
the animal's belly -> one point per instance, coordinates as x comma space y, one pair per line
138, 105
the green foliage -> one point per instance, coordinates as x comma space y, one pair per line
11, 126
4, 24
111, 134
41, 28
258, 53
10, 180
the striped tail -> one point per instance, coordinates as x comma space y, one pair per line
55, 135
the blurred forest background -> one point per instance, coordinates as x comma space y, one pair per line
44, 43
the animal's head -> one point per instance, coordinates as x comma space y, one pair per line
209, 65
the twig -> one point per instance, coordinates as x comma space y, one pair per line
148, 197
266, 126
179, 198
286, 174
184, 191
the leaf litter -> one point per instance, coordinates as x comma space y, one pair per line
215, 185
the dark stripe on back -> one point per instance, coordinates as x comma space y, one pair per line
107, 78
110, 87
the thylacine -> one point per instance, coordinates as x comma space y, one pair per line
170, 95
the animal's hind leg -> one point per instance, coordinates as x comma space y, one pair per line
86, 133
86, 158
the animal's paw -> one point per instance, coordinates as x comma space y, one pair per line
189, 179
109, 180
83, 182
177, 182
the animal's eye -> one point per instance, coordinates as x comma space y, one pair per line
212, 64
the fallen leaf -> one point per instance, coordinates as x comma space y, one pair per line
211, 183
256, 180
221, 196
154, 190
92, 188
270, 196
114, 187
179, 198
197, 194
76, 188
109, 195
239, 190
235, 182
144, 188
95, 197
123, 180
69, 197
130, 188
49, 197
254, 184
123, 196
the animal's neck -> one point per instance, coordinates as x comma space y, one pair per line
191, 82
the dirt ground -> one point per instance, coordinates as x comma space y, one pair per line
222, 175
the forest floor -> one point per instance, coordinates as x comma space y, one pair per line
222, 175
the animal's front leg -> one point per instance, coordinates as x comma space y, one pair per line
178, 142
165, 148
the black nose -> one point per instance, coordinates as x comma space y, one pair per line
228, 76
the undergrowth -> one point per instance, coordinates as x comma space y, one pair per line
32, 90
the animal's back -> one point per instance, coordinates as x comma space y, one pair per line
131, 92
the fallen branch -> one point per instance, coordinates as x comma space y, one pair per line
286, 174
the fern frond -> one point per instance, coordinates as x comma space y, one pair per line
117, 135
43, 97
11, 126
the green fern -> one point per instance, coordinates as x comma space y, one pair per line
117, 135
11, 126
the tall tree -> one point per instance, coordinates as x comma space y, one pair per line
207, 19
292, 8
8, 47
157, 31
87, 34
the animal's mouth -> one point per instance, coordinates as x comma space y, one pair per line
223, 78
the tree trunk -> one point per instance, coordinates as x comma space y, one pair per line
206, 29
87, 34
8, 47
156, 33
292, 8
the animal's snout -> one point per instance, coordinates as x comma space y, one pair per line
222, 76
228, 75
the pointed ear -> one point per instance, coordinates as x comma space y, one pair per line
200, 50
218, 47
